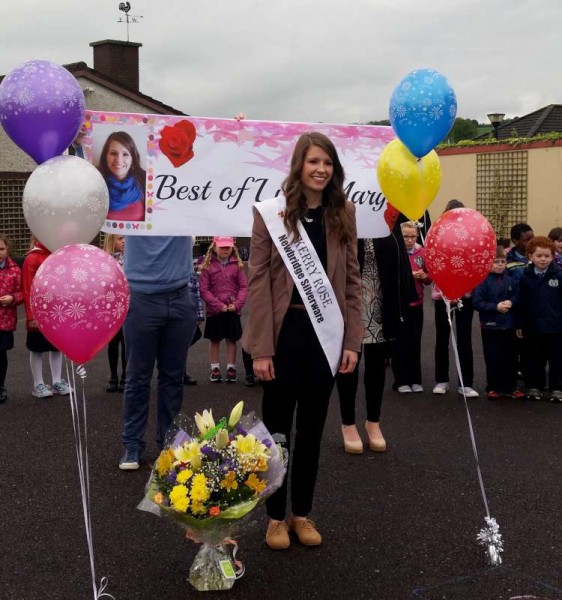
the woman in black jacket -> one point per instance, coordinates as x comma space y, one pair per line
387, 289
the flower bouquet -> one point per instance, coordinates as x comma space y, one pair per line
209, 482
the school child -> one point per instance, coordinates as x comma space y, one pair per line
539, 319
223, 287
10, 296
556, 236
193, 286
406, 350
493, 299
516, 257
114, 244
36, 342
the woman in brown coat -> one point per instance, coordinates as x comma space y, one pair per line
303, 287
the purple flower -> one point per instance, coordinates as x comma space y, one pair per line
241, 430
210, 452
171, 477
266, 442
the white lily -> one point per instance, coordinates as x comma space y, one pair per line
221, 439
236, 414
204, 422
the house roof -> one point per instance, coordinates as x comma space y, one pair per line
81, 69
545, 120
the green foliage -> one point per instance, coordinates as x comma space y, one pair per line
463, 129
514, 141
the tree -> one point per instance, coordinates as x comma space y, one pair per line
463, 129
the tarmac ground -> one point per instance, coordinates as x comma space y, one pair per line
397, 525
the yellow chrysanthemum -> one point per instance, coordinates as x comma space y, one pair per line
255, 483
179, 500
248, 445
199, 490
188, 453
165, 462
183, 476
229, 482
197, 508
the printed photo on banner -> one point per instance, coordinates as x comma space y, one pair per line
119, 153
170, 175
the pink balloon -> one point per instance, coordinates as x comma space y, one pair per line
80, 298
459, 251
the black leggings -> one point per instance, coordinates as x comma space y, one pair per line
3, 367
374, 378
113, 355
303, 383
463, 318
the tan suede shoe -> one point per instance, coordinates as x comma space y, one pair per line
306, 531
277, 536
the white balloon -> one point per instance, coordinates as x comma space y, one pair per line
65, 201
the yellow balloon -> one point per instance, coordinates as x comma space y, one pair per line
409, 184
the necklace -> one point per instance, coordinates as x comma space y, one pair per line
307, 220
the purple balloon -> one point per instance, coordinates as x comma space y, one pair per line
42, 108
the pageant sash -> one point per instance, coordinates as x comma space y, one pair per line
303, 263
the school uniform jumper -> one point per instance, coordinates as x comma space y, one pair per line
539, 315
498, 331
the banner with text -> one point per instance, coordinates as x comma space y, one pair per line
170, 175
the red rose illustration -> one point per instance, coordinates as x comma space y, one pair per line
177, 142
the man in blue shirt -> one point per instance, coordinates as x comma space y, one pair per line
158, 329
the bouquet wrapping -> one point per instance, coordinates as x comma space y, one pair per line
209, 482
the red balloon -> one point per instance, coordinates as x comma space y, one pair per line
459, 251
80, 298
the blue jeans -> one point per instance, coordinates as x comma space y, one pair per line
158, 330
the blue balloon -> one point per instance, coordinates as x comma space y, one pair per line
422, 110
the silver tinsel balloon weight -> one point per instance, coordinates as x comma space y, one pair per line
491, 538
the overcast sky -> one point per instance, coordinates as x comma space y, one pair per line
309, 60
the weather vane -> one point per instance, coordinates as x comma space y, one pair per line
126, 7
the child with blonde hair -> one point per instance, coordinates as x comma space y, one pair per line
223, 288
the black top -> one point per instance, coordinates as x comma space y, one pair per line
313, 224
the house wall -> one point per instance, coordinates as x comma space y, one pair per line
543, 188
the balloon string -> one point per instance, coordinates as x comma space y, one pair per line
79, 423
470, 427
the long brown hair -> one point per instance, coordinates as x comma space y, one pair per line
333, 196
123, 138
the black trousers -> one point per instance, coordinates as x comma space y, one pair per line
543, 348
303, 384
113, 355
248, 363
500, 356
374, 379
406, 350
463, 319
3, 367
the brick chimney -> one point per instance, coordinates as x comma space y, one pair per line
118, 60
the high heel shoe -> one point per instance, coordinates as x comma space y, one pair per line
351, 446
376, 444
